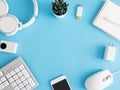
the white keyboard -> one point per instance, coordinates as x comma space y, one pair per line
17, 76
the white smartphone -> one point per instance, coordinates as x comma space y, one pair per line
60, 83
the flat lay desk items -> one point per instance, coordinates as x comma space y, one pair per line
9, 24
17, 76
108, 19
79, 11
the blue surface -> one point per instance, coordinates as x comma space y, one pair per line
53, 47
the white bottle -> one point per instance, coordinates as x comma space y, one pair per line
79, 11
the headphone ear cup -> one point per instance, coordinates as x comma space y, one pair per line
3, 7
8, 24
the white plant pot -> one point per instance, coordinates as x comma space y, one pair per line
60, 17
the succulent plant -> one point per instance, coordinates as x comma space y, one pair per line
59, 7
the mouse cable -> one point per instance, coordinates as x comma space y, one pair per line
114, 73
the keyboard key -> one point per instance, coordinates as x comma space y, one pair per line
14, 84
8, 76
21, 67
17, 70
0, 81
23, 89
1, 74
22, 78
25, 83
11, 80
32, 83
15, 77
12, 73
3, 79
25, 73
28, 87
1, 86
17, 88
21, 85
20, 74
18, 81
6, 83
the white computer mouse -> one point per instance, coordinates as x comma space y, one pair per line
99, 80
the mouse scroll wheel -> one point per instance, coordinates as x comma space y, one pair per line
106, 78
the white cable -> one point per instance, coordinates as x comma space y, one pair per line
116, 72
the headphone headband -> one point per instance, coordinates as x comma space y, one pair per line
35, 8
32, 20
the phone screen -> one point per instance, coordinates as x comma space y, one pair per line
62, 85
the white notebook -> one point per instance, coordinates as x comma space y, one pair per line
108, 19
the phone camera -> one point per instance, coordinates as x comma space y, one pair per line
3, 45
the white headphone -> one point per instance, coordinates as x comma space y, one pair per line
9, 24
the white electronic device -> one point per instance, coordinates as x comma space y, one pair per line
9, 47
110, 53
79, 11
60, 83
9, 24
99, 80
17, 76
108, 19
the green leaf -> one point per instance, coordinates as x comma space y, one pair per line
59, 7
56, 1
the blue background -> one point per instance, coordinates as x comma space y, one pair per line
53, 47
